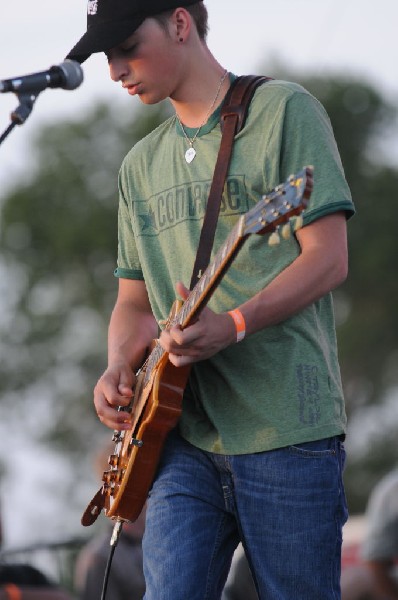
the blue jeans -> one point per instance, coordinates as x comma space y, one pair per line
286, 506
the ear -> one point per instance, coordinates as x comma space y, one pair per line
181, 23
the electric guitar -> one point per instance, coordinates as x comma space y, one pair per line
157, 402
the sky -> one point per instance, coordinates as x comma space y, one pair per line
352, 37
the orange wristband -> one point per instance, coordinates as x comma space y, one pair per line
239, 324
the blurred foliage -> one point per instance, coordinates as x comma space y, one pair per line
58, 246
369, 336
366, 304
58, 249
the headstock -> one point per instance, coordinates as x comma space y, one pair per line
280, 206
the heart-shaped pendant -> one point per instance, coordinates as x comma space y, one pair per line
190, 154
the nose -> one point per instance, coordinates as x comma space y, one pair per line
118, 69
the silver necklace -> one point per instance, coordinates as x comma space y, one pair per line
191, 152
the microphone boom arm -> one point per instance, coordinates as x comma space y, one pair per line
21, 113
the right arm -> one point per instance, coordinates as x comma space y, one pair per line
131, 331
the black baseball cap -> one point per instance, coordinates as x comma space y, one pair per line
110, 22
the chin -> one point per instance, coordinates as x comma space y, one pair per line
150, 99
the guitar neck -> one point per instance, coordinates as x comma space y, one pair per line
203, 290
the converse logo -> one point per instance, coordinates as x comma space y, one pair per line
92, 7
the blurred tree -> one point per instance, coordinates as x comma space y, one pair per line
369, 330
366, 304
58, 247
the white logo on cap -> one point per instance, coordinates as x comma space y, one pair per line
92, 7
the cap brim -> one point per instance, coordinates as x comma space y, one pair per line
102, 37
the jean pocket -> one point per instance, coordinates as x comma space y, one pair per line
315, 449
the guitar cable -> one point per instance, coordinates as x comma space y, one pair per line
117, 530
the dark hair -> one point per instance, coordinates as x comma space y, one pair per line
198, 13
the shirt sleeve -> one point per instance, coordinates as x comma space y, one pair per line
308, 139
128, 263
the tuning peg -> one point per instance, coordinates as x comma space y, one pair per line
286, 231
106, 489
113, 460
107, 477
298, 223
274, 238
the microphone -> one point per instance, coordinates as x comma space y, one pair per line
68, 75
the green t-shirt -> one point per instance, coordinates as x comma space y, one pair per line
280, 385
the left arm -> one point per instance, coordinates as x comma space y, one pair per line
321, 266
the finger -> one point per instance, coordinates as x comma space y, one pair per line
185, 338
177, 341
107, 401
182, 290
115, 397
110, 416
117, 388
179, 360
125, 390
126, 383
171, 340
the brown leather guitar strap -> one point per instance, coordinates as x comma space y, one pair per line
233, 117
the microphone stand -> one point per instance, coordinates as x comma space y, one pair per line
21, 113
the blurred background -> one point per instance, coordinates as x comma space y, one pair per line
58, 213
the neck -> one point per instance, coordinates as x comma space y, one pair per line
193, 99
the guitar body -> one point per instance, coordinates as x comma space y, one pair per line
136, 465
155, 411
